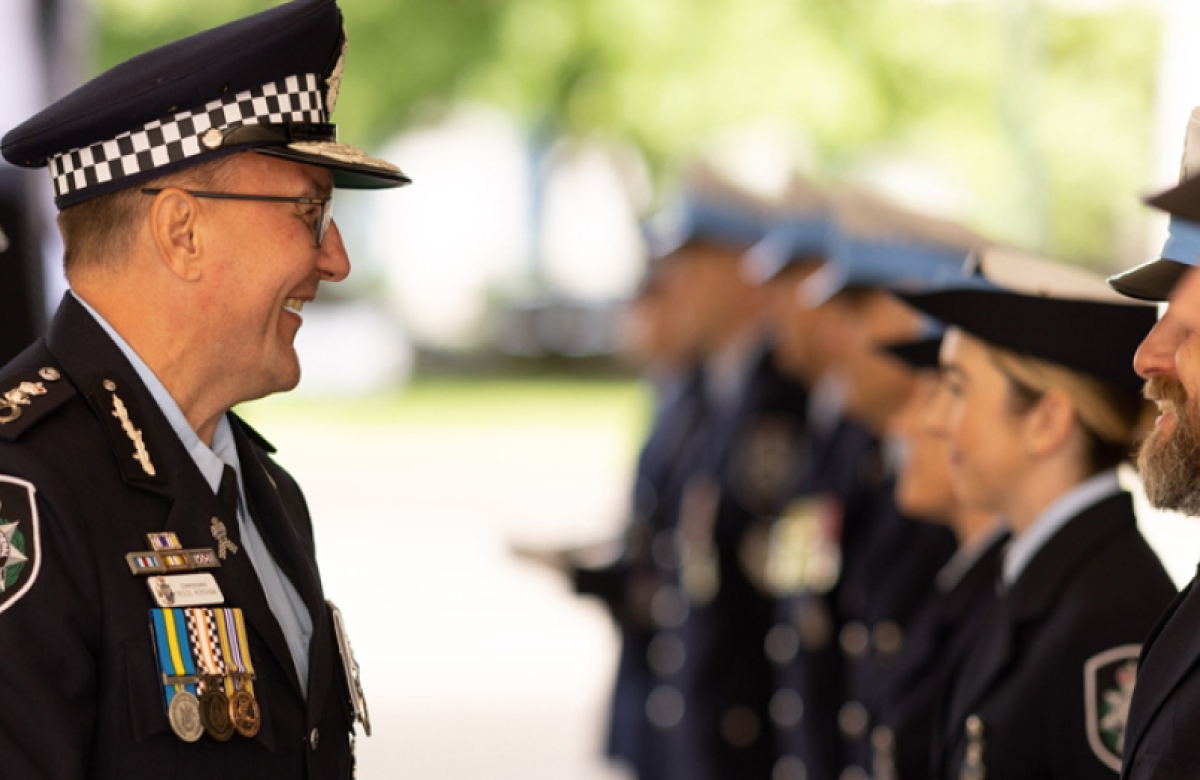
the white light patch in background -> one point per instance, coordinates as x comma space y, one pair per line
442, 250
352, 349
591, 244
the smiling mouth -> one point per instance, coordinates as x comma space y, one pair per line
294, 305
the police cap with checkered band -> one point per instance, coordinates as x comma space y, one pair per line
267, 84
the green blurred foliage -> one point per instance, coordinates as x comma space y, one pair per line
1044, 113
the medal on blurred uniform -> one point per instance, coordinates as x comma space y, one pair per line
178, 673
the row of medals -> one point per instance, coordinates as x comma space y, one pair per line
213, 712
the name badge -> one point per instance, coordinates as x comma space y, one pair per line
185, 590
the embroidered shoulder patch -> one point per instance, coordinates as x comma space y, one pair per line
20, 543
1108, 681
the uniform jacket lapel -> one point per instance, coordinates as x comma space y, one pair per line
1169, 653
272, 517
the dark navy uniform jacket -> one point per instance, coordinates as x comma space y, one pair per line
80, 695
890, 572
627, 585
1050, 677
889, 563
1164, 719
946, 625
843, 468
709, 654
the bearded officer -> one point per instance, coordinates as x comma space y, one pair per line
1165, 710
161, 611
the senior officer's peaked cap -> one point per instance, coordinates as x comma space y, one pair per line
1047, 310
1153, 281
267, 83
875, 242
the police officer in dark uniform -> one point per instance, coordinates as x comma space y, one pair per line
1040, 408
1165, 711
845, 592
707, 709
890, 560
951, 617
161, 611
626, 584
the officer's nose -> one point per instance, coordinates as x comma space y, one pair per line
1156, 354
333, 262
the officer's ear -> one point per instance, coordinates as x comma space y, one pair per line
174, 222
1050, 425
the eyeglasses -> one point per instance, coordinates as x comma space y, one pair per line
320, 224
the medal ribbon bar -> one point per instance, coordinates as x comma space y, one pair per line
173, 651
235, 648
206, 648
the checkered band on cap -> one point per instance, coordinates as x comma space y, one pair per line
175, 138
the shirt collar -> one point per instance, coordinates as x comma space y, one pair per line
1067, 506
210, 461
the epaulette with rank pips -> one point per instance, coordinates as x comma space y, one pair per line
29, 395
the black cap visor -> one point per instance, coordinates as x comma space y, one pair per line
1152, 281
1092, 337
919, 355
352, 168
1182, 200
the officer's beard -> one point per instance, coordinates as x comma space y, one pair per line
1169, 461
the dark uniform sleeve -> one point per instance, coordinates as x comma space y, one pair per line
49, 635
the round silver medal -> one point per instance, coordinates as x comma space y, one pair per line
184, 714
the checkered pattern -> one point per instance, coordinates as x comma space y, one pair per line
165, 141
203, 620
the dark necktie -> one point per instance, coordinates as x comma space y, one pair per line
228, 492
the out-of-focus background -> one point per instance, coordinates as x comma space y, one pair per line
461, 392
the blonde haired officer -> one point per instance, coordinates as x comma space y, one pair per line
1040, 407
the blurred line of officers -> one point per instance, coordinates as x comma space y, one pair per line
877, 529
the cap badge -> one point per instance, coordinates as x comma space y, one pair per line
212, 138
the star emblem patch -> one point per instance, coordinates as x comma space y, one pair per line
20, 544
1109, 679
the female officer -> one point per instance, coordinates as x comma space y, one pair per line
953, 614
1040, 407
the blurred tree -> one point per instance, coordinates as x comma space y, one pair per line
1044, 112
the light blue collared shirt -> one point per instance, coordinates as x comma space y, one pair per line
1086, 494
285, 602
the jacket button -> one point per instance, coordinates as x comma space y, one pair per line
314, 737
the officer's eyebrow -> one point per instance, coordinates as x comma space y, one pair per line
317, 189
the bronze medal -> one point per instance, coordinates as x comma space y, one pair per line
184, 714
214, 714
244, 713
